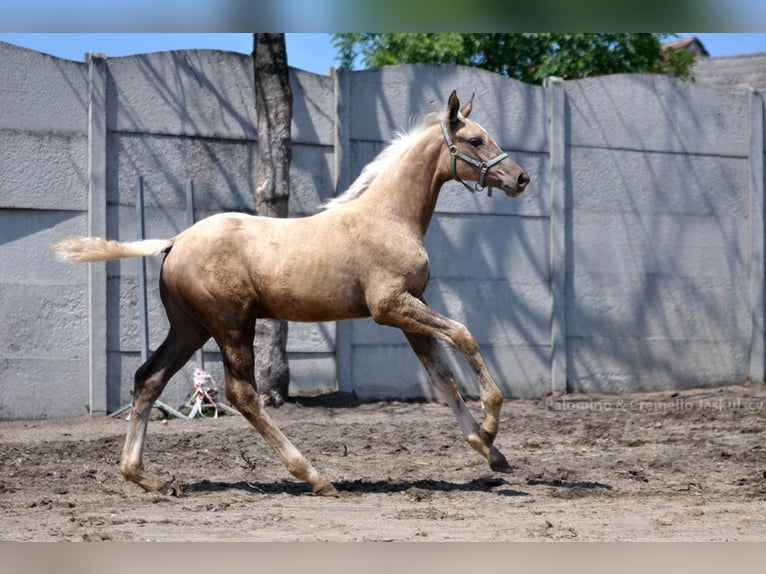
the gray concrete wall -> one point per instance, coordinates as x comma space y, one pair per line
43, 190
633, 261
658, 234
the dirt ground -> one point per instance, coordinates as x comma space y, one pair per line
664, 466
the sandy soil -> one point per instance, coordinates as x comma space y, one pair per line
665, 466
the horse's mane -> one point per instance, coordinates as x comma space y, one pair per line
402, 140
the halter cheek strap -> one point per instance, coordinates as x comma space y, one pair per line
482, 166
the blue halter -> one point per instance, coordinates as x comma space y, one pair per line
482, 166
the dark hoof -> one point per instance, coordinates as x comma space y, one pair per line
498, 463
168, 488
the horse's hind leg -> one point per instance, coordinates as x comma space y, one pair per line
183, 339
241, 391
427, 350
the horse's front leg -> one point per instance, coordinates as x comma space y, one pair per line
430, 355
414, 317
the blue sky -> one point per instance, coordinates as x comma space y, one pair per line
310, 51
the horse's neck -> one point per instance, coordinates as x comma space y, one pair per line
410, 186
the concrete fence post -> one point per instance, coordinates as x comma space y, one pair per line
756, 264
97, 312
143, 301
341, 181
199, 356
556, 112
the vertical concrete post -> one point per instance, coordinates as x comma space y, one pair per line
199, 356
757, 295
342, 179
97, 322
143, 301
556, 112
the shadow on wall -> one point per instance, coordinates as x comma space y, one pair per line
657, 235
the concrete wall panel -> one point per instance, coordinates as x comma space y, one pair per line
387, 99
608, 364
393, 372
675, 116
40, 387
43, 171
626, 181
189, 93
42, 93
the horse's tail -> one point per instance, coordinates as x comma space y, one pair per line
98, 249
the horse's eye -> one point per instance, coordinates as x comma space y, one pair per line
476, 142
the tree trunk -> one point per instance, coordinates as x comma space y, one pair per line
274, 108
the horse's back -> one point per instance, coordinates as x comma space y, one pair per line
285, 268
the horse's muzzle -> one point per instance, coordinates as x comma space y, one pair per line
518, 186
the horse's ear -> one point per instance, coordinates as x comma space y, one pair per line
453, 108
466, 111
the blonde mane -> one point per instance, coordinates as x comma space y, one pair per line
401, 141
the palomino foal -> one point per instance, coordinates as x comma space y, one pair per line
362, 256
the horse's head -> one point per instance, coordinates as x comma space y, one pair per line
474, 155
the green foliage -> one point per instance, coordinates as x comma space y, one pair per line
527, 57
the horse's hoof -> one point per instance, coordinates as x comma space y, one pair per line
167, 487
327, 490
151, 484
498, 462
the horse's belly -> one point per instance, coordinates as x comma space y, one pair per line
307, 301
310, 311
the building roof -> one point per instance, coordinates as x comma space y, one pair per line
692, 44
733, 72
730, 73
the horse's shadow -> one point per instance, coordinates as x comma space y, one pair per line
350, 487
494, 485
558, 483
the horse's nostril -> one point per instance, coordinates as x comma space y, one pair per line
523, 179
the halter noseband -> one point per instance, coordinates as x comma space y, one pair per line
482, 166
